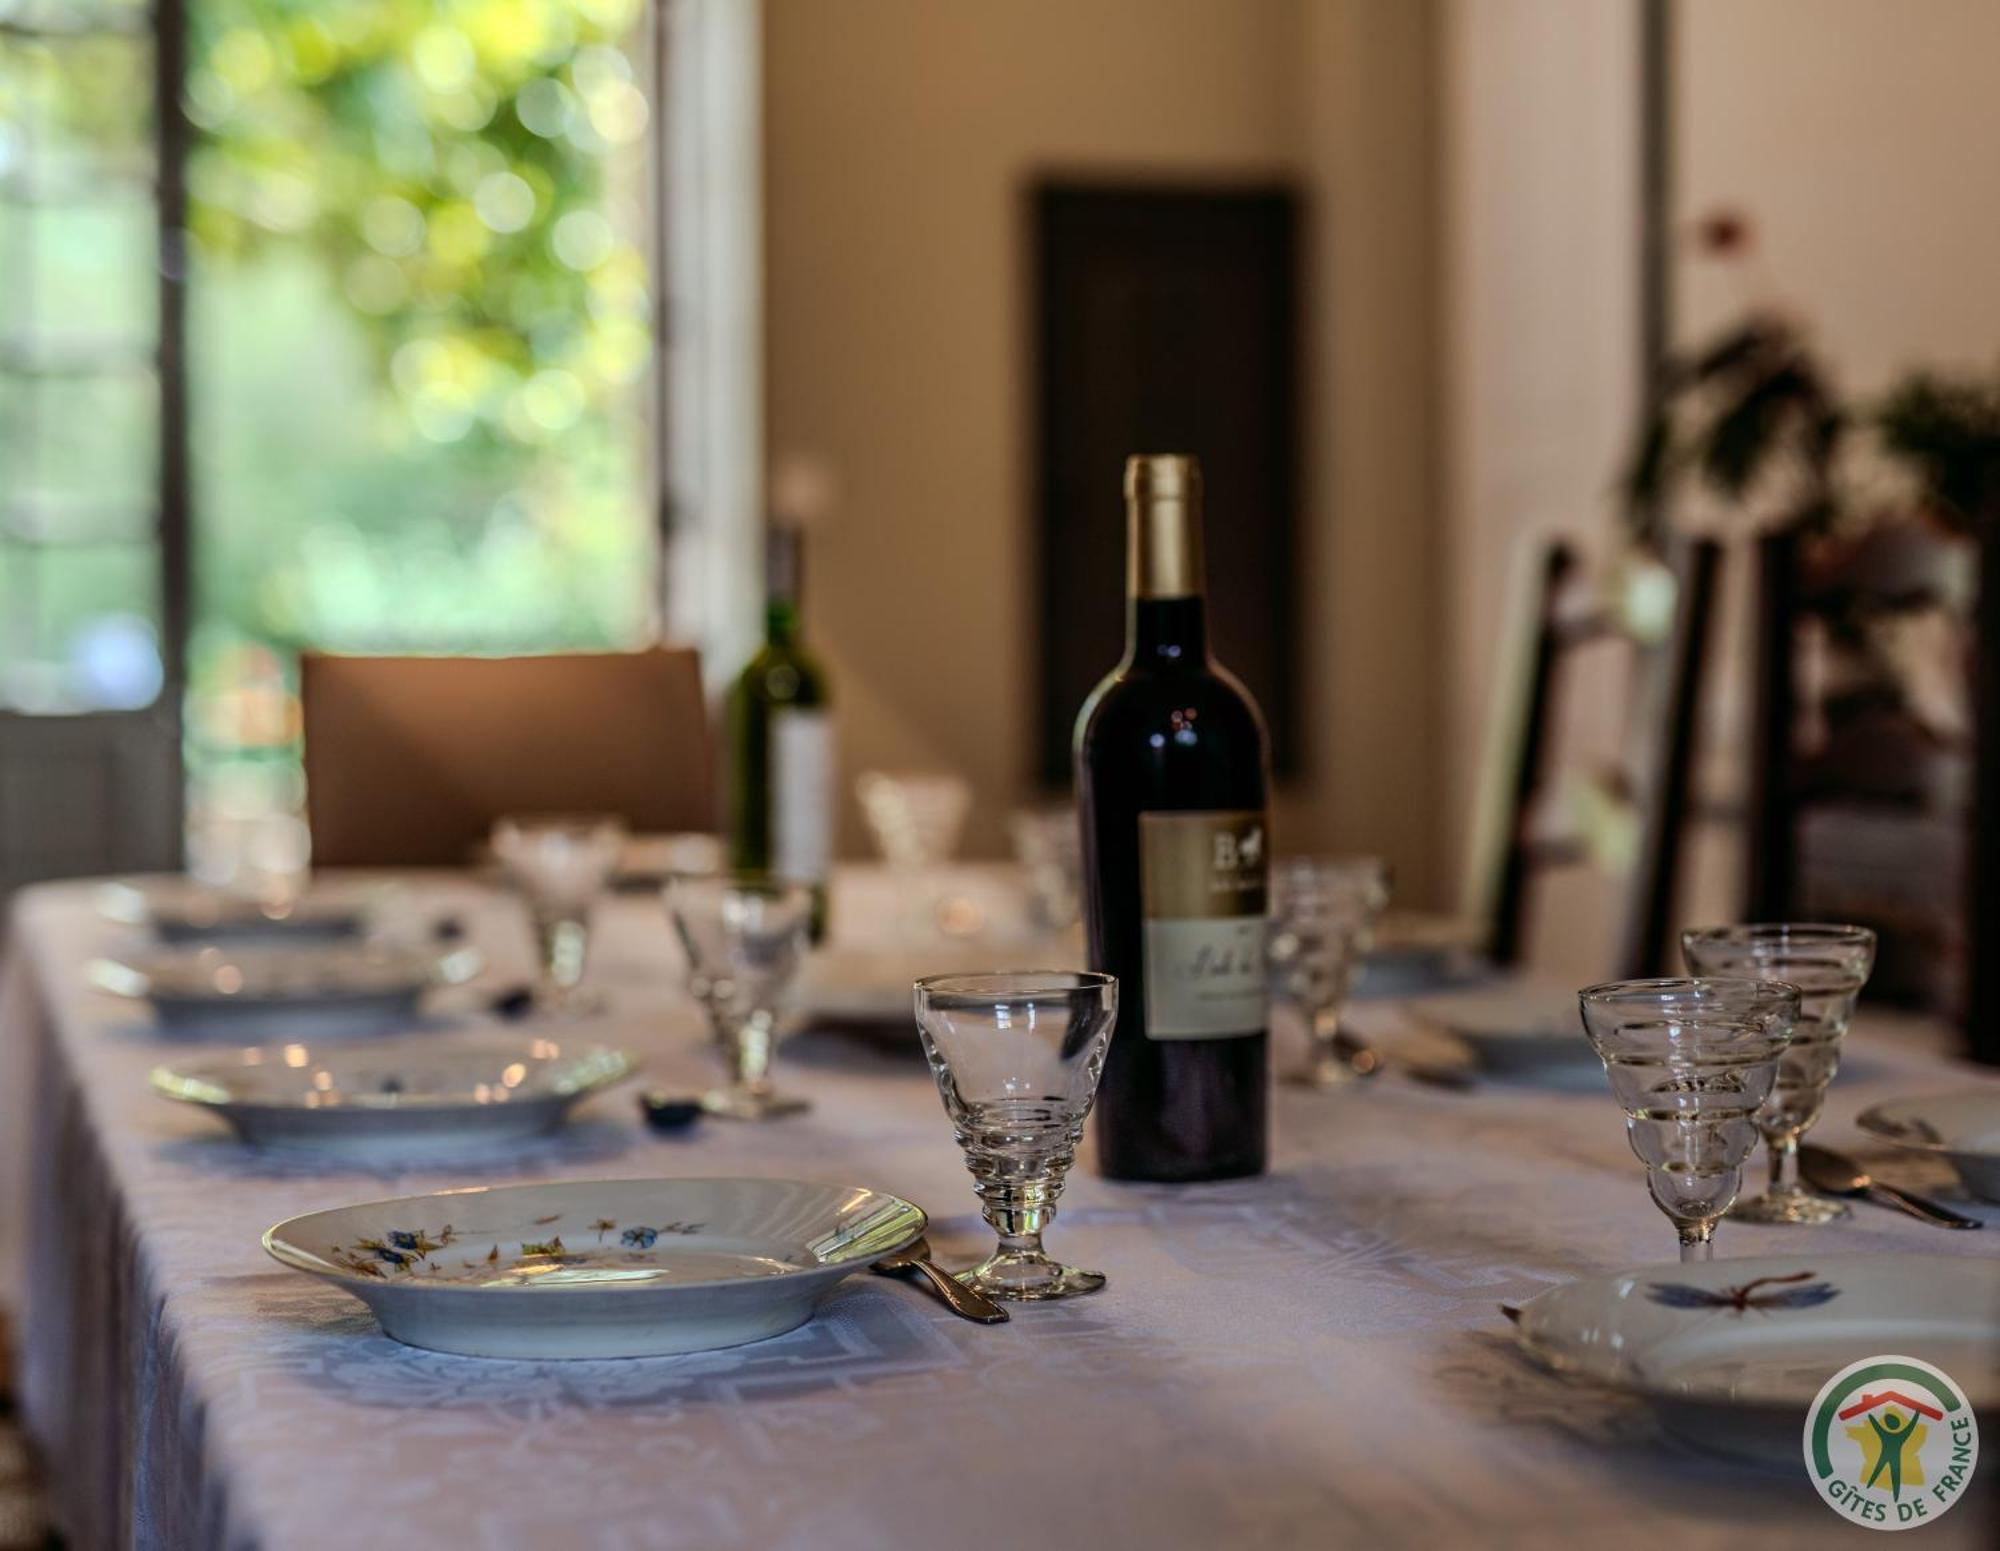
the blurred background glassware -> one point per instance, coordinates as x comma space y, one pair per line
916, 817
744, 934
1691, 1062
1048, 843
1324, 913
1829, 963
1017, 1056
561, 863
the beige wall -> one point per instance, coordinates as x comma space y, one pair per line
1541, 364
1862, 138
900, 137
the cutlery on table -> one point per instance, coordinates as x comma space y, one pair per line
514, 1002
966, 1302
1828, 1171
1365, 1060
670, 1113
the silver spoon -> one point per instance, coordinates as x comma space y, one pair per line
966, 1302
1825, 1169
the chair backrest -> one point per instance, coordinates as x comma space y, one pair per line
409, 760
1857, 806
1669, 656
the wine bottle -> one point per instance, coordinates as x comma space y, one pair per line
1170, 767
781, 740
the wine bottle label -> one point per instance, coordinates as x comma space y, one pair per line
801, 794
1202, 881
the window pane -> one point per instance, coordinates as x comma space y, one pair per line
421, 324
81, 628
420, 347
82, 455
79, 277
78, 106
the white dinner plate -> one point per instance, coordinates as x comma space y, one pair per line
598, 1268
1515, 1028
400, 1097
1732, 1352
181, 910
256, 992
1963, 1127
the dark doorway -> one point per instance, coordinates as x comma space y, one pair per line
1168, 322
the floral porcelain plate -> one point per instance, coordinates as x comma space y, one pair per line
401, 1097
1963, 1127
598, 1268
180, 910
1731, 1353
263, 992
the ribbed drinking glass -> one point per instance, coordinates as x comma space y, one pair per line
560, 863
1324, 913
1691, 1062
1829, 964
743, 934
1017, 1056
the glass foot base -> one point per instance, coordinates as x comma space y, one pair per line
749, 1104
1332, 1072
1797, 1207
1029, 1280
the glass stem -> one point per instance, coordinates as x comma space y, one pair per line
564, 941
753, 1053
1017, 1209
1325, 1033
1784, 1164
1697, 1241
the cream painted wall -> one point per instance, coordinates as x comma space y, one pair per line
1541, 371
1862, 137
901, 136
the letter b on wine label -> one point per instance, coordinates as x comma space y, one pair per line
1203, 885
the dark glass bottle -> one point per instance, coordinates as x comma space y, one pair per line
1170, 765
781, 741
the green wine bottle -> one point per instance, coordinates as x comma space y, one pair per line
781, 741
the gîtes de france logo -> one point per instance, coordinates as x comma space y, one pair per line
1890, 1442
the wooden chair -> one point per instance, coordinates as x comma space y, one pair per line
409, 760
1858, 804
1668, 646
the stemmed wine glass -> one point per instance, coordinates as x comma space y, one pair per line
916, 818
1323, 924
1017, 1056
1691, 1062
744, 934
1829, 964
560, 863
1048, 843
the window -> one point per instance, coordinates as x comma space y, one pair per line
79, 382
417, 404
420, 359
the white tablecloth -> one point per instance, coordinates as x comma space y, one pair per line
1312, 1358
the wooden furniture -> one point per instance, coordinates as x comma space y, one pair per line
1861, 798
1661, 614
409, 760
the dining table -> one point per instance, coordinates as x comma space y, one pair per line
1313, 1357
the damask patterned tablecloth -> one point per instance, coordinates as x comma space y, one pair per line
1311, 1358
